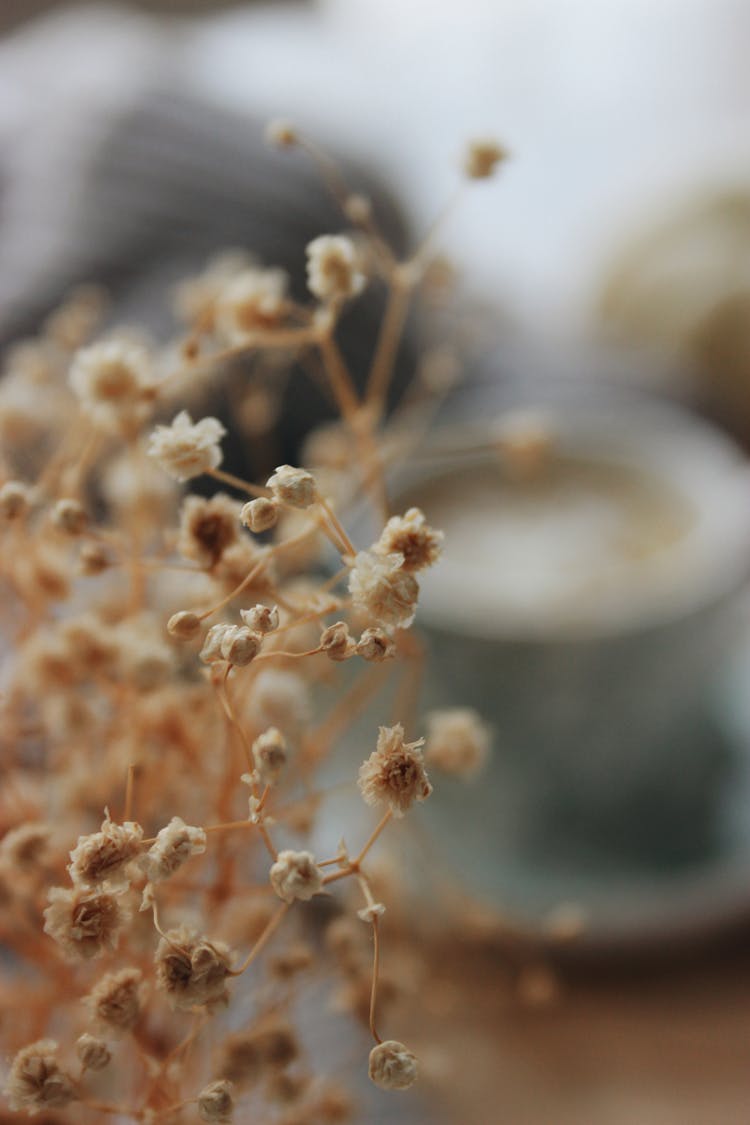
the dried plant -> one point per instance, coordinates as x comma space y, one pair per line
165, 683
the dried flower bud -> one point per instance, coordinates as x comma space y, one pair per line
184, 625
261, 619
270, 755
333, 269
15, 500
375, 646
192, 970
208, 528
115, 1000
336, 642
110, 378
93, 1053
260, 515
173, 846
104, 856
383, 589
392, 1066
411, 536
84, 924
358, 209
482, 158
254, 300
23, 848
70, 516
239, 645
295, 875
281, 134
211, 651
269, 1046
458, 742
295, 487
215, 1102
93, 559
394, 773
186, 449
37, 1081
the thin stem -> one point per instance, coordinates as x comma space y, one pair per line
371, 839
238, 482
375, 970
129, 792
340, 380
349, 548
381, 371
268, 932
223, 693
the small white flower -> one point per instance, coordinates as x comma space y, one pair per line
186, 449
295, 875
333, 269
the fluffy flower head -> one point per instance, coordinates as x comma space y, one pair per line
333, 269
186, 449
394, 774
392, 1066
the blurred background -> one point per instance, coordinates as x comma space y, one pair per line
612, 258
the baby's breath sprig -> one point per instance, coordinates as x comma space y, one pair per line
161, 648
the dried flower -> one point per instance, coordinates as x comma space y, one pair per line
394, 773
184, 625
115, 1000
333, 269
84, 924
270, 755
93, 1053
93, 559
186, 449
15, 499
254, 299
173, 846
336, 642
261, 618
70, 516
375, 646
196, 297
37, 1081
295, 487
192, 970
104, 856
295, 875
458, 742
23, 848
269, 1046
383, 589
208, 527
411, 536
260, 515
110, 379
280, 699
482, 157
358, 209
392, 1066
239, 645
215, 1102
211, 651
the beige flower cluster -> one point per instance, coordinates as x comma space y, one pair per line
165, 661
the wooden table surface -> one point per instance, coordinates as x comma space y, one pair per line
651, 1044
